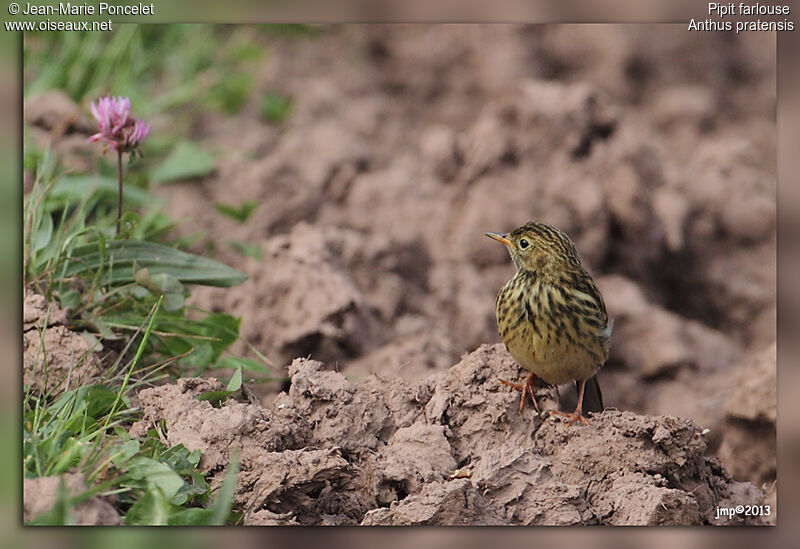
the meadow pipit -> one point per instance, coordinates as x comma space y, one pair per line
551, 315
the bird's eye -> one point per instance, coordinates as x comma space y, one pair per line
523, 244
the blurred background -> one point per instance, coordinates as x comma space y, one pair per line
351, 170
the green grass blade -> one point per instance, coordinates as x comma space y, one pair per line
135, 360
223, 503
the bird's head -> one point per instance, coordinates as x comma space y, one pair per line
538, 246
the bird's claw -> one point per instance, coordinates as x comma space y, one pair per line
571, 417
525, 388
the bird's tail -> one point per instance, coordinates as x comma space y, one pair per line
592, 397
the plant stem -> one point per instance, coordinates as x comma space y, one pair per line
119, 197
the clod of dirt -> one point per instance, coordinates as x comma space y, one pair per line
325, 293
749, 443
658, 342
56, 112
36, 311
40, 494
732, 230
451, 503
53, 355
56, 121
217, 432
303, 303
417, 351
447, 449
732, 393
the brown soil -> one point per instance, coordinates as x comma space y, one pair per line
652, 147
447, 449
54, 357
40, 494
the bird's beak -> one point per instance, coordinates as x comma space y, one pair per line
500, 238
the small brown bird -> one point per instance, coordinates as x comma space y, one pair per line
551, 315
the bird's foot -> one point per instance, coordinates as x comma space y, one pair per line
517, 386
526, 387
572, 417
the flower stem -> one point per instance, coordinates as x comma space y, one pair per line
119, 197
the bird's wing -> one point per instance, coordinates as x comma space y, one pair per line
605, 333
587, 296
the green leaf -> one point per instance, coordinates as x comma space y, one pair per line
197, 490
71, 190
239, 213
194, 516
157, 474
163, 283
247, 364
275, 107
152, 509
125, 257
92, 340
44, 233
105, 331
180, 458
214, 397
125, 451
249, 250
186, 161
71, 452
205, 339
194, 457
99, 399
221, 326
201, 356
223, 502
174, 302
231, 91
236, 381
246, 50
69, 299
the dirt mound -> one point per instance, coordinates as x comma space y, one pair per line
40, 494
656, 155
749, 442
57, 122
326, 292
54, 356
447, 449
653, 149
